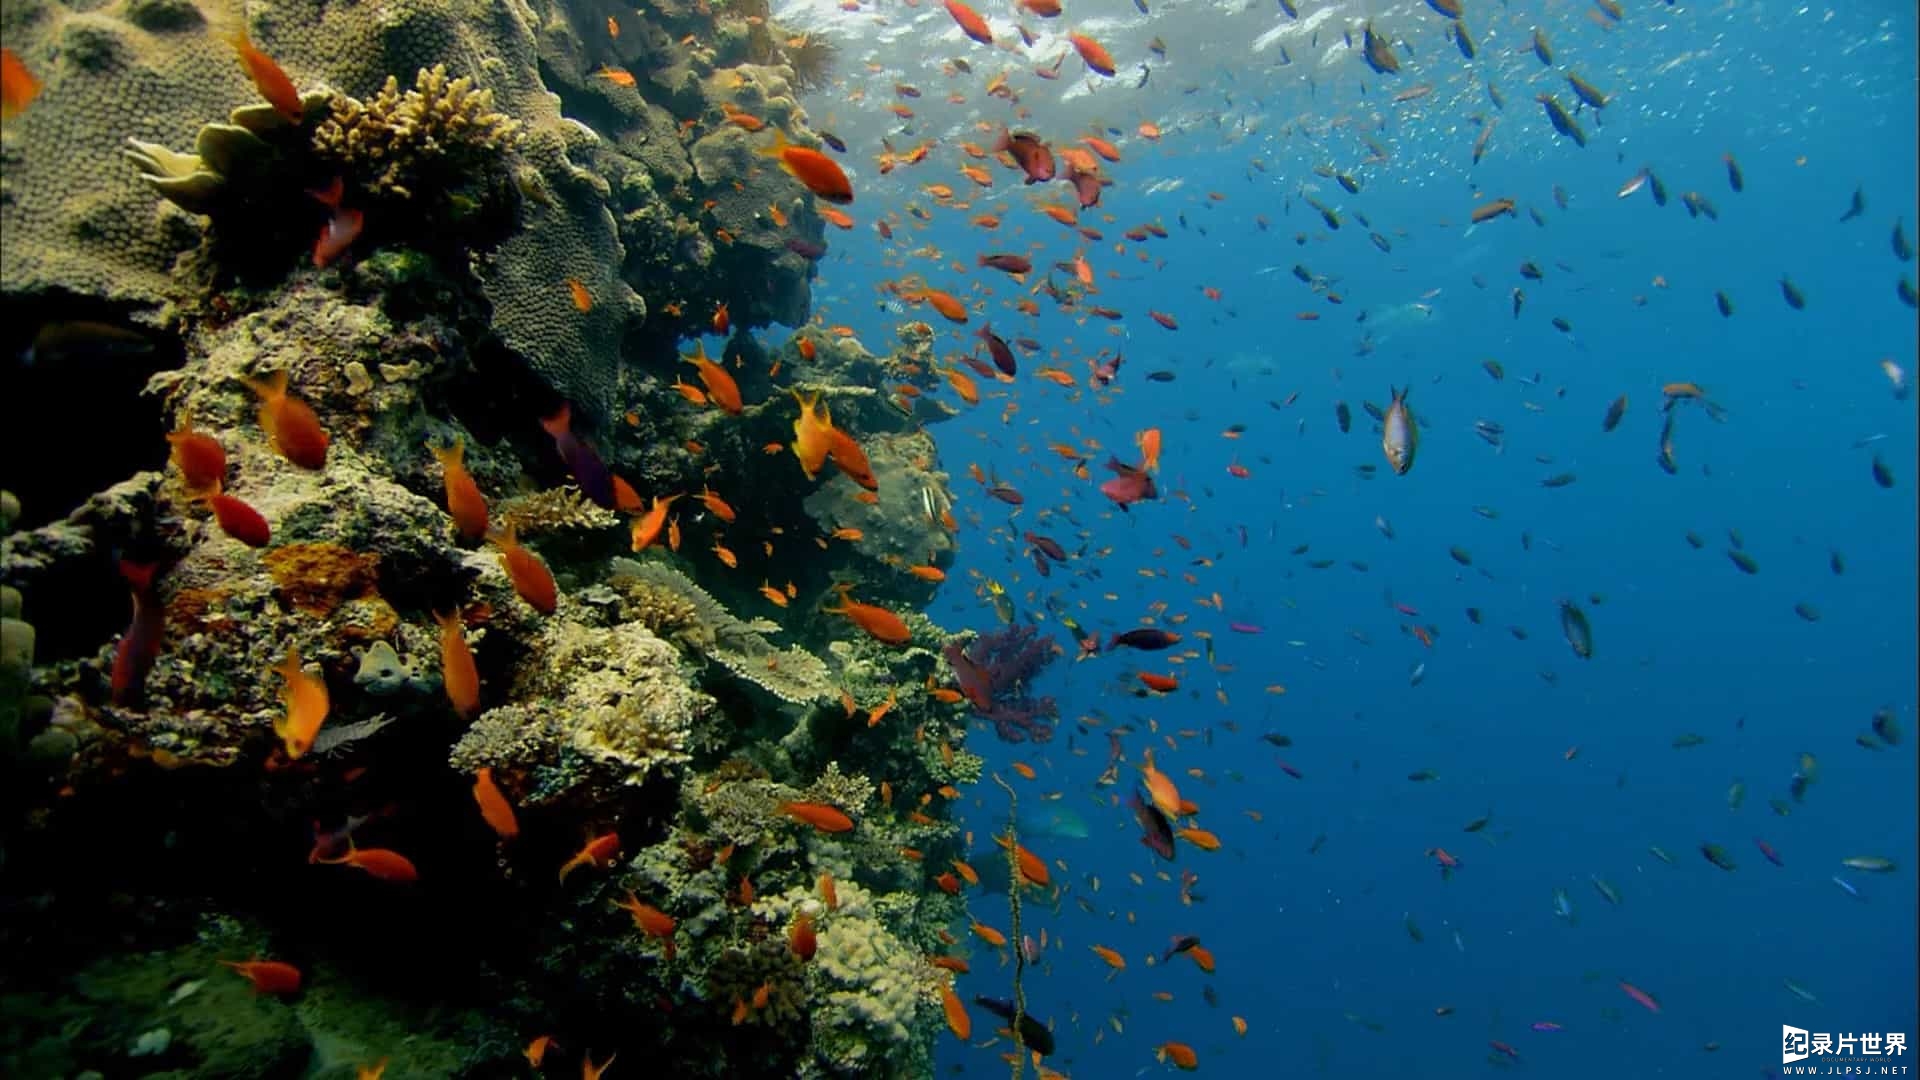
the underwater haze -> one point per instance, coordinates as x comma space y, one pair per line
1082, 538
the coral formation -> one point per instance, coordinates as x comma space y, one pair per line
432, 139
668, 599
593, 710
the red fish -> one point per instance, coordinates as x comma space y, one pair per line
133, 657
1029, 153
1640, 996
238, 520
268, 976
269, 79
341, 230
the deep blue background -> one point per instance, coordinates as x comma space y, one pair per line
1684, 642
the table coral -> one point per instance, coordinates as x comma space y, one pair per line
791, 675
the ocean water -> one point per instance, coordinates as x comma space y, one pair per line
1307, 904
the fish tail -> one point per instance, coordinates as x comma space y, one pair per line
270, 387
451, 455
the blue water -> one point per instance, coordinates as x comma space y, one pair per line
1312, 948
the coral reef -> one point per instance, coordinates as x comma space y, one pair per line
547, 208
995, 672
593, 710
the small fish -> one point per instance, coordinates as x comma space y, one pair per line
1576, 629
1400, 434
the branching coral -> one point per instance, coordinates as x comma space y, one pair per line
438, 136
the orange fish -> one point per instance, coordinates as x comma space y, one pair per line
801, 939
874, 717
1199, 838
1114, 960
717, 506
851, 460
1094, 53
458, 673
582, 299
598, 853
820, 816
1032, 867
269, 79
536, 1051
383, 863
494, 807
721, 322
616, 76
1149, 443
646, 528
590, 1071
465, 504
879, 623
305, 697
201, 459
18, 87
812, 434
268, 976
529, 574
989, 935
290, 422
720, 385
1166, 797
815, 170
970, 23
651, 920
958, 1021
1180, 1054
773, 595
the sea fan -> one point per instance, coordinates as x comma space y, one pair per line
812, 58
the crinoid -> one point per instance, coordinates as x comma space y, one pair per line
812, 58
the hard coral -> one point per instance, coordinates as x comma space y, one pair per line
551, 509
437, 137
596, 710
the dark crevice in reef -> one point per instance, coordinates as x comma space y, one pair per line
87, 368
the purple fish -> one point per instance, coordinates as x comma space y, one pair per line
1546, 1025
1156, 834
1244, 627
1129, 486
595, 480
806, 249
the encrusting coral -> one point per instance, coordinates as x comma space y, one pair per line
594, 710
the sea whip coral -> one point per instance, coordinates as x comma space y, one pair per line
994, 671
